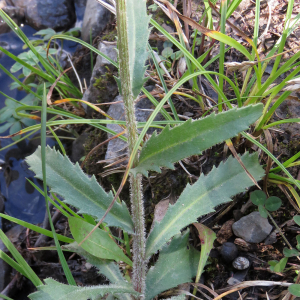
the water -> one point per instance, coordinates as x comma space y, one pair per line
22, 201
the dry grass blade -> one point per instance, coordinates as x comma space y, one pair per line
247, 284
200, 285
232, 149
99, 145
269, 162
53, 86
241, 33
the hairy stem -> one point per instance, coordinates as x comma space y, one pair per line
137, 207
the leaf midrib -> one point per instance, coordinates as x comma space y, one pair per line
148, 253
182, 141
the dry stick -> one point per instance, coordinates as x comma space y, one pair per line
53, 86
232, 149
247, 284
99, 145
269, 161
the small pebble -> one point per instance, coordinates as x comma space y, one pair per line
241, 263
229, 251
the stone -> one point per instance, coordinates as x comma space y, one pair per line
78, 149
117, 147
103, 87
41, 14
15, 13
95, 19
252, 228
241, 263
229, 251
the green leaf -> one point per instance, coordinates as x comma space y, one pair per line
263, 212
199, 199
53, 290
138, 33
99, 244
279, 267
36, 228
298, 242
294, 289
176, 264
290, 252
106, 267
273, 203
167, 52
26, 269
4, 127
297, 220
192, 137
78, 189
207, 237
258, 197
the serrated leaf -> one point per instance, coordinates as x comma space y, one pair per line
99, 243
192, 137
138, 33
199, 199
258, 197
53, 290
69, 181
176, 264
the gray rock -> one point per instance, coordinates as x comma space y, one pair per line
271, 239
78, 150
252, 228
15, 13
103, 87
117, 147
95, 19
55, 14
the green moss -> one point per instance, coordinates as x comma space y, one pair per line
102, 82
110, 37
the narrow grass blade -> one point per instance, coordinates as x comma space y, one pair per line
64, 264
20, 260
37, 228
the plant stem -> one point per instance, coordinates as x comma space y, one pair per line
137, 207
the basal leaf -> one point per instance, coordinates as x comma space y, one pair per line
106, 267
199, 199
54, 290
69, 181
176, 265
192, 137
138, 33
99, 244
